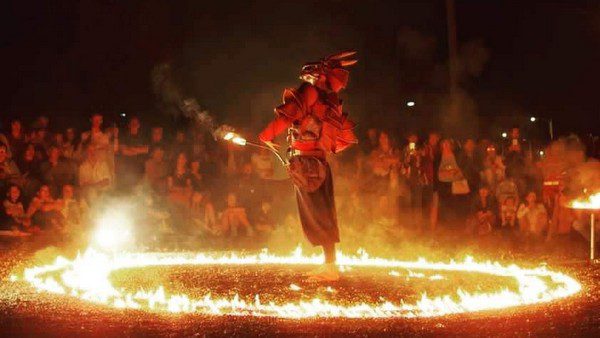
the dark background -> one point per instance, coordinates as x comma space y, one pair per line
67, 59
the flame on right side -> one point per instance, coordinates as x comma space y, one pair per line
591, 202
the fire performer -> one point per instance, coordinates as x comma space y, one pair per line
317, 127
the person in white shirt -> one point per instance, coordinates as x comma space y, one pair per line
95, 176
532, 216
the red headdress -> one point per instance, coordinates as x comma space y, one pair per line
329, 73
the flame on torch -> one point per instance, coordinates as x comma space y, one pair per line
235, 138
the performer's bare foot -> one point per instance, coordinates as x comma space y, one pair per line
327, 272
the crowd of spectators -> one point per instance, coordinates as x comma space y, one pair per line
191, 186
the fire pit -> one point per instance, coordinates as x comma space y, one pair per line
592, 204
88, 278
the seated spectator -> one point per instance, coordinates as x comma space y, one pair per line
9, 172
13, 215
179, 145
179, 183
45, 211
56, 172
264, 220
196, 177
505, 189
16, 139
202, 214
262, 164
483, 212
532, 216
72, 209
69, 147
94, 175
29, 166
156, 138
247, 187
508, 214
234, 220
156, 171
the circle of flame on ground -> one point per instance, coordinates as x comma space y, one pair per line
87, 278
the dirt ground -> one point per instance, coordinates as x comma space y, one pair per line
24, 312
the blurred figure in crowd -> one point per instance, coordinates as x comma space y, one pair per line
532, 216
133, 149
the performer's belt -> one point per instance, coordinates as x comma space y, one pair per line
551, 183
313, 153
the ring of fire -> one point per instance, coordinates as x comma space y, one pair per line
87, 278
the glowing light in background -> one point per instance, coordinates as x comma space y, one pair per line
410, 103
532, 119
504, 135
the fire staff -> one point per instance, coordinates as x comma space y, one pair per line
317, 127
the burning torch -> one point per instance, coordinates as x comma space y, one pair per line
231, 136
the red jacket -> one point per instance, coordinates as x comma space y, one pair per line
317, 115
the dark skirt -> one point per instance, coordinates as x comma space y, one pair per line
317, 209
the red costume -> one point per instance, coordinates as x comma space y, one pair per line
317, 127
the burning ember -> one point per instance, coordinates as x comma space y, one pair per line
592, 202
87, 278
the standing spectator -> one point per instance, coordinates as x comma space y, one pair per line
483, 212
416, 179
133, 149
95, 176
101, 141
448, 173
561, 223
384, 162
470, 166
57, 172
532, 216
515, 159
493, 167
13, 215
430, 163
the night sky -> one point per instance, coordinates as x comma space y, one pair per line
67, 59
